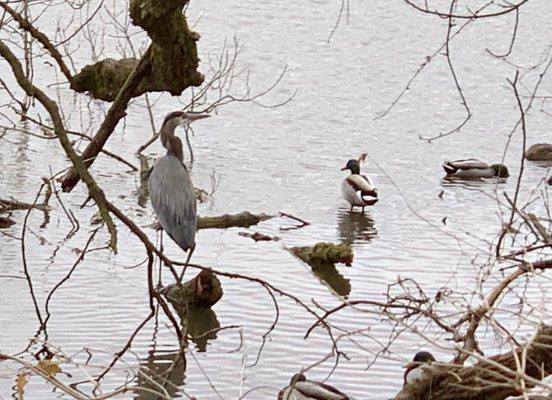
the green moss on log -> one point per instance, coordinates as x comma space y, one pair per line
324, 253
242, 220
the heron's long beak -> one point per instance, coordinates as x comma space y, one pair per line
193, 116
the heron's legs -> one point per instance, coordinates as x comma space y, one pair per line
160, 261
190, 252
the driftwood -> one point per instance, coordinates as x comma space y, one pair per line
204, 290
243, 220
492, 379
324, 253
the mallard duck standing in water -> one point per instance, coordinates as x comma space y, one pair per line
300, 388
418, 366
358, 189
472, 169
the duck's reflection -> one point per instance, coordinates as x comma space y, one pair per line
472, 183
354, 227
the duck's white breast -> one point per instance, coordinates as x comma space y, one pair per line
416, 373
349, 194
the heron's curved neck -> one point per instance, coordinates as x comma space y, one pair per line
174, 148
167, 131
170, 141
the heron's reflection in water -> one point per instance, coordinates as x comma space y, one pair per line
355, 227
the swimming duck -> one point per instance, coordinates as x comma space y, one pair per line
418, 366
471, 169
300, 388
358, 189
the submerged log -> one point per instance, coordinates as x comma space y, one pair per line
495, 379
204, 290
324, 253
242, 220
539, 152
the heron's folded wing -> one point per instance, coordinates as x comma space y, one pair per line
172, 197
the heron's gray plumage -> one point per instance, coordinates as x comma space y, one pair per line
172, 198
170, 187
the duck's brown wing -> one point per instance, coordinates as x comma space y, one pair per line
362, 184
319, 391
470, 163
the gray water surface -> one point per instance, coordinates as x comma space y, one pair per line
288, 159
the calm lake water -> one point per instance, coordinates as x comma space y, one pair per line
288, 159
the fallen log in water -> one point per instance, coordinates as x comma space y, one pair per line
495, 378
242, 220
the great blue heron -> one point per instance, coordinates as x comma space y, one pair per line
170, 187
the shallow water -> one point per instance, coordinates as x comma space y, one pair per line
288, 159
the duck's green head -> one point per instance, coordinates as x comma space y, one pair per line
300, 377
423, 356
500, 170
353, 166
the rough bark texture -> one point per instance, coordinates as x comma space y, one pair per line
173, 56
243, 220
484, 381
